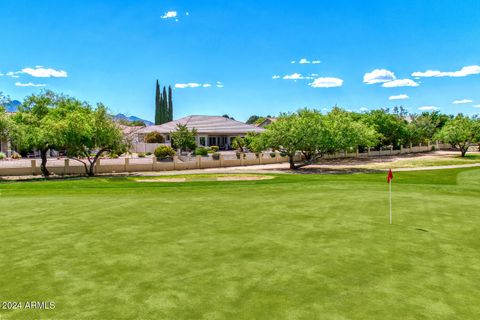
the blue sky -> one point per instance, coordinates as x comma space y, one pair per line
365, 52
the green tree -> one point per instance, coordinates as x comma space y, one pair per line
423, 127
392, 128
183, 138
88, 133
5, 124
170, 104
460, 132
164, 106
158, 105
35, 127
239, 144
314, 135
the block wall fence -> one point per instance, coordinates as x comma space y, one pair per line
26, 167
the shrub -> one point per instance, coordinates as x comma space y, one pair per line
16, 155
214, 148
273, 154
216, 156
148, 153
141, 155
154, 137
163, 152
113, 155
201, 151
2, 155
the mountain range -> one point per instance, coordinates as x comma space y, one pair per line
13, 105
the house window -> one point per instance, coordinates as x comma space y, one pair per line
202, 141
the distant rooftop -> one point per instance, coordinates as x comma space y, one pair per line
205, 124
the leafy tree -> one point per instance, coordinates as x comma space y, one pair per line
423, 127
460, 132
183, 138
5, 124
34, 126
228, 117
253, 119
314, 135
154, 137
254, 142
164, 106
239, 144
392, 128
4, 100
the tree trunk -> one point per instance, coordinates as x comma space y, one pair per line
464, 151
292, 163
43, 165
91, 170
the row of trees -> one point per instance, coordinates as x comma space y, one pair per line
50, 121
315, 134
163, 105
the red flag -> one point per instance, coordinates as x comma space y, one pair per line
390, 176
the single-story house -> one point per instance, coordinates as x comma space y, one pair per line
211, 130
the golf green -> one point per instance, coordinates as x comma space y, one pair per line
292, 247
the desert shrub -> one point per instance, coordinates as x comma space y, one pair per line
16, 155
141, 155
214, 148
216, 156
2, 155
201, 151
163, 152
154, 137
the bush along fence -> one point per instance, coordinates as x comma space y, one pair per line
26, 167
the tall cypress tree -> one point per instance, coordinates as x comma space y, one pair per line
158, 105
170, 104
164, 106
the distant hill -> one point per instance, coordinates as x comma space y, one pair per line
121, 116
13, 106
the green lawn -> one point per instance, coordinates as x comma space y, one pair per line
294, 247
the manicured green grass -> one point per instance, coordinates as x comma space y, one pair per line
294, 247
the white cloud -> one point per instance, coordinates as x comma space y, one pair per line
462, 101
29, 84
399, 97
13, 74
293, 61
316, 61
326, 83
294, 76
363, 109
276, 77
169, 15
41, 72
207, 85
187, 85
220, 85
465, 71
378, 76
477, 106
400, 83
187, 13
428, 108
304, 61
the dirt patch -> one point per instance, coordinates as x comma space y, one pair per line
247, 178
163, 180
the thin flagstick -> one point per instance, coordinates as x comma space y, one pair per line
390, 186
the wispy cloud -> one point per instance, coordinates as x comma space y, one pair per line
29, 84
194, 85
169, 15
399, 97
326, 83
400, 83
462, 101
363, 109
465, 71
379, 76
428, 108
276, 77
306, 61
477, 106
294, 76
41, 72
